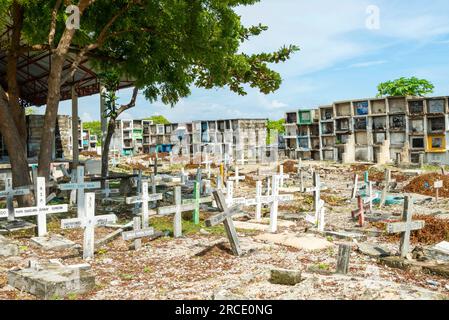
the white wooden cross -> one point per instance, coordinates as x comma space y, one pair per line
406, 226
107, 191
275, 198
207, 162
40, 210
184, 176
371, 197
318, 219
9, 193
144, 198
225, 217
137, 234
80, 186
282, 176
138, 183
236, 177
316, 189
355, 186
242, 159
298, 166
88, 222
437, 186
387, 182
230, 200
177, 210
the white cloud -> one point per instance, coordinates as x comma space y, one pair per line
86, 117
367, 64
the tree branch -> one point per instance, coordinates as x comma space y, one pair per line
99, 42
54, 16
131, 104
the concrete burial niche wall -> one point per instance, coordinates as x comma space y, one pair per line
416, 107
397, 105
397, 138
417, 125
380, 123
362, 153
361, 138
436, 143
378, 107
361, 108
436, 106
343, 109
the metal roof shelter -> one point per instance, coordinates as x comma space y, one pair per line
33, 70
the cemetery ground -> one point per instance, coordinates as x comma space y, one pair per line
201, 264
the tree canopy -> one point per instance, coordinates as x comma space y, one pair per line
164, 46
158, 119
405, 87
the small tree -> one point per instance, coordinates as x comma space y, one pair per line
405, 87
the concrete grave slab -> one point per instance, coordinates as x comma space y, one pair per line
53, 243
53, 281
7, 248
373, 250
285, 277
346, 235
307, 243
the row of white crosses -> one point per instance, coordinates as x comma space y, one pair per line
9, 193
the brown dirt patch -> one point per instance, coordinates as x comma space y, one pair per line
435, 231
423, 184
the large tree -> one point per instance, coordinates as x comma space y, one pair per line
165, 46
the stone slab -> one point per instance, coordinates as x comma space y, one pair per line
440, 270
404, 264
307, 243
15, 226
250, 226
52, 283
53, 243
285, 277
373, 250
346, 235
7, 248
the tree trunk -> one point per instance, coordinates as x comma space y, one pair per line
51, 113
16, 150
105, 152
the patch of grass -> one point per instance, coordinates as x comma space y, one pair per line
23, 248
127, 276
102, 251
188, 227
147, 270
72, 296
323, 266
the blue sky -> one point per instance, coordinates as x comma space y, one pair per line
340, 58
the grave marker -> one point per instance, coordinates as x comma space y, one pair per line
236, 177
360, 212
230, 200
80, 186
40, 210
107, 191
88, 222
177, 210
437, 186
282, 176
197, 201
405, 227
137, 234
144, 198
225, 217
344, 252
9, 193
207, 162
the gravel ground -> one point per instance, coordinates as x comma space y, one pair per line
201, 266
